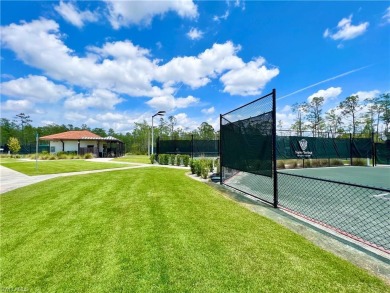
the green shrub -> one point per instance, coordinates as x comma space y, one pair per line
336, 162
13, 145
315, 163
294, 164
280, 165
88, 156
44, 157
359, 162
218, 165
307, 164
186, 160
52, 157
192, 166
178, 160
163, 159
204, 169
211, 165
152, 158
172, 158
324, 162
62, 155
198, 168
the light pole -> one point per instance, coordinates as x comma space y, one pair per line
159, 113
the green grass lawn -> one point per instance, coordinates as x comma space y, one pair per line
156, 230
9, 160
58, 166
143, 159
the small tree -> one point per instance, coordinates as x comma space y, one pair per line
13, 145
351, 107
314, 114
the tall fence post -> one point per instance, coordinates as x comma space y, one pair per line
275, 172
350, 149
192, 146
220, 149
157, 146
373, 149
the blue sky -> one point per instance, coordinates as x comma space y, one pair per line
112, 63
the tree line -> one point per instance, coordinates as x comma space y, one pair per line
359, 117
138, 141
353, 115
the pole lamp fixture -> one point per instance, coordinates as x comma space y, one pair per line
159, 113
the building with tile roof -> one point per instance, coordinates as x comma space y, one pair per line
83, 142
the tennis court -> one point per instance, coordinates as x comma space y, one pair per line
338, 198
352, 209
368, 176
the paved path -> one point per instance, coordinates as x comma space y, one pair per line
10, 179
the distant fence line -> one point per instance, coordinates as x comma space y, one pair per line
192, 147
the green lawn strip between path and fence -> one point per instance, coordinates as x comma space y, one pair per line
156, 230
59, 166
142, 159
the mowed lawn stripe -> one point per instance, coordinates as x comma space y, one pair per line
156, 230
59, 166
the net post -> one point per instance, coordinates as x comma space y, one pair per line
275, 173
220, 149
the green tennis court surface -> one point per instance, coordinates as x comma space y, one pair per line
361, 213
368, 176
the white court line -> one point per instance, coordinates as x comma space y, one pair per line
382, 196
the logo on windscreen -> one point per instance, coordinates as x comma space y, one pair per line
303, 144
303, 153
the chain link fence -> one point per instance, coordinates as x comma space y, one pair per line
248, 148
248, 151
357, 211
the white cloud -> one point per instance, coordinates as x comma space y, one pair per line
118, 66
169, 102
210, 110
125, 68
197, 71
195, 34
110, 117
386, 16
287, 118
35, 88
346, 30
186, 123
286, 109
17, 106
363, 95
73, 15
328, 94
223, 16
99, 98
76, 116
135, 12
249, 79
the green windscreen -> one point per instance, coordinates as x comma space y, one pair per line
382, 153
294, 147
247, 146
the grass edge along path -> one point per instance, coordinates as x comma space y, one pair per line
60, 166
142, 159
156, 230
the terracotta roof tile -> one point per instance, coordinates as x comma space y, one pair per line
71, 135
